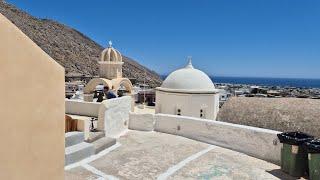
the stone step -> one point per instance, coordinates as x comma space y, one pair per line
78, 152
103, 143
73, 138
93, 136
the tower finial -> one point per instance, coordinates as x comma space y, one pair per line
189, 62
110, 43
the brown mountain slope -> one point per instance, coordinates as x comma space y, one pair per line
70, 48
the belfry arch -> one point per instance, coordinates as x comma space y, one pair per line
91, 86
124, 82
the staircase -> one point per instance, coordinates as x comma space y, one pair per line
99, 141
77, 149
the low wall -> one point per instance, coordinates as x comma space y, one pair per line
141, 122
113, 116
82, 108
83, 124
256, 142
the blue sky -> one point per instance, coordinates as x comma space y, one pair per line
252, 38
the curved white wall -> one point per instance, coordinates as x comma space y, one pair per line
256, 142
189, 104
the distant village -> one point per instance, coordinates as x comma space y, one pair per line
242, 90
143, 93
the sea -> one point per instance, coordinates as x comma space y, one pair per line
282, 82
260, 81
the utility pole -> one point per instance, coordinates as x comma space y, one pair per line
144, 88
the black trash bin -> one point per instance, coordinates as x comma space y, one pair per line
313, 148
294, 157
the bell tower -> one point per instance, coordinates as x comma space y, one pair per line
110, 64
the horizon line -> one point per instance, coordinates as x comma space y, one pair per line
259, 77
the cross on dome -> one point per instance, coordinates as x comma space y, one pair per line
110, 43
190, 62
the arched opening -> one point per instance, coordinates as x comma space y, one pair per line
122, 91
95, 89
122, 87
104, 55
93, 83
90, 91
113, 56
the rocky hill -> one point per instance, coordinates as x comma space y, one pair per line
69, 47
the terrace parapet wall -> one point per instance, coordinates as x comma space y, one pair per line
256, 142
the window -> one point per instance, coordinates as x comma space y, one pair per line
202, 114
179, 112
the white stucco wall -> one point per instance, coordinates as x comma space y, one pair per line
82, 108
141, 122
113, 116
190, 104
257, 142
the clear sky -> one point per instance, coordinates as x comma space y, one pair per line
252, 38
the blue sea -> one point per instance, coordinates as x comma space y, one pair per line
282, 82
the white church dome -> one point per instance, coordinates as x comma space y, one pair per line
188, 79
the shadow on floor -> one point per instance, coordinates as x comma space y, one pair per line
281, 175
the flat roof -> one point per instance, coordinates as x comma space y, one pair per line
154, 155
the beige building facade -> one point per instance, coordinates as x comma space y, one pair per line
31, 108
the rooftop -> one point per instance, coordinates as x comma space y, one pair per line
281, 114
154, 155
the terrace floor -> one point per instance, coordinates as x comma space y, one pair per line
146, 110
153, 155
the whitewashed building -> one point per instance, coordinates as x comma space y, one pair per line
188, 92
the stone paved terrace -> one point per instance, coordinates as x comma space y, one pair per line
153, 155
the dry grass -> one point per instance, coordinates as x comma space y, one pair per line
282, 114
